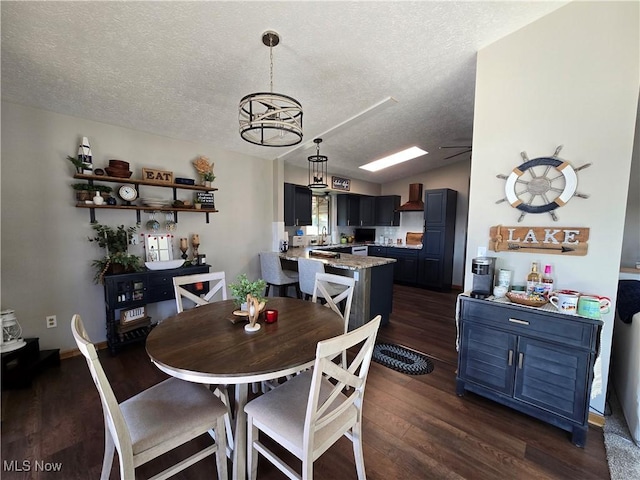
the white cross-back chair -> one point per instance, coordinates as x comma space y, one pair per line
154, 421
310, 412
217, 282
335, 290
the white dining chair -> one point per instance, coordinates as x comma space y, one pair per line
326, 286
272, 272
155, 420
310, 412
217, 283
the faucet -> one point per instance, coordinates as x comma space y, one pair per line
324, 235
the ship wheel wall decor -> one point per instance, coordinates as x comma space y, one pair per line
541, 185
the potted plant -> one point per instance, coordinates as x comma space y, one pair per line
205, 169
84, 191
77, 163
117, 259
243, 286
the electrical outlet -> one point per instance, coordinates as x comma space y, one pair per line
52, 322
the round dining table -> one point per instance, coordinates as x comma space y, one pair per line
209, 345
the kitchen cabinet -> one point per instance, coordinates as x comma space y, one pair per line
537, 362
367, 211
131, 290
138, 208
356, 210
386, 207
348, 207
297, 205
405, 270
435, 269
377, 251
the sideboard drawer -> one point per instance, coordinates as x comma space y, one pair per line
550, 326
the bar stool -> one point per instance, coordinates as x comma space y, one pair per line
307, 269
273, 274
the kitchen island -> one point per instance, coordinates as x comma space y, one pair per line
373, 292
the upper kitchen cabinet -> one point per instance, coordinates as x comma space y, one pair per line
387, 213
356, 210
367, 211
297, 205
435, 266
440, 206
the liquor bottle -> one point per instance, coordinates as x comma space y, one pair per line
547, 281
533, 279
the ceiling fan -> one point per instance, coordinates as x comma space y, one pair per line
465, 149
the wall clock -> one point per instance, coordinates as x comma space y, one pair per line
128, 193
541, 185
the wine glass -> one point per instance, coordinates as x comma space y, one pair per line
170, 225
153, 224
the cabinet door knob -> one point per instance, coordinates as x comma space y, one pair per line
510, 361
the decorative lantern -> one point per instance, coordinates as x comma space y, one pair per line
11, 332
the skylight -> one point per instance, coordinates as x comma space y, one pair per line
394, 159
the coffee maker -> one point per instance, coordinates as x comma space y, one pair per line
483, 269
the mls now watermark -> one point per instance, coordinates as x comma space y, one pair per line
31, 466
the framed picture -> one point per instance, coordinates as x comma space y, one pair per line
339, 183
132, 314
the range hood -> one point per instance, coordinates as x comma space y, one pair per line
415, 203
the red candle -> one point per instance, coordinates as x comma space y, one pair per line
271, 316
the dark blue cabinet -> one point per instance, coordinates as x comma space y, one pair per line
130, 290
386, 207
405, 270
297, 205
435, 266
537, 362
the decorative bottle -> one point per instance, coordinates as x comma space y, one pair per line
547, 281
533, 279
97, 199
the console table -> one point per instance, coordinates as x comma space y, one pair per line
127, 291
535, 361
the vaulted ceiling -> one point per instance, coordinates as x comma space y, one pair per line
179, 69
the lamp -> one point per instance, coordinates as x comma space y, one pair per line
317, 168
270, 119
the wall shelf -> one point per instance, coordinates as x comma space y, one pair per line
138, 208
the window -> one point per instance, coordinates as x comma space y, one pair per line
319, 214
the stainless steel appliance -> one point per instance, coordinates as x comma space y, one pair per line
360, 250
483, 269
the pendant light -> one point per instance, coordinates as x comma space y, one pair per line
318, 168
267, 118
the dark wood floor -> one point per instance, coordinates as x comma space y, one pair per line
415, 426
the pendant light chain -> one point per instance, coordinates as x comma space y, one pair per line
271, 62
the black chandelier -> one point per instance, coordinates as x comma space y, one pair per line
270, 119
318, 168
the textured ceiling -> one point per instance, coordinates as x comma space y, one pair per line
179, 69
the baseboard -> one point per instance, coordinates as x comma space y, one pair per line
596, 420
74, 352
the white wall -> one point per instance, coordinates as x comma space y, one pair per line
569, 78
631, 240
45, 253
